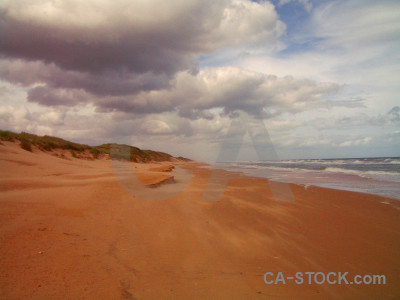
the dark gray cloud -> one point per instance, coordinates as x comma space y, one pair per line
140, 57
130, 36
56, 97
28, 73
191, 95
123, 55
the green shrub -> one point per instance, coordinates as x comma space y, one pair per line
95, 152
7, 136
26, 144
46, 145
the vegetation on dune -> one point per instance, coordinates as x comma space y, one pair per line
26, 144
7, 136
183, 158
29, 141
95, 152
136, 154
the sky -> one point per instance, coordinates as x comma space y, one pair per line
322, 76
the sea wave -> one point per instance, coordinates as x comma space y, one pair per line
363, 173
381, 179
314, 168
379, 176
348, 161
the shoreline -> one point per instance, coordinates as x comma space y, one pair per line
69, 230
243, 175
322, 184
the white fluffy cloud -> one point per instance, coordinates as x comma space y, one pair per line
357, 142
233, 89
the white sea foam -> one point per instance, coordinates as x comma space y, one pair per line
363, 173
376, 176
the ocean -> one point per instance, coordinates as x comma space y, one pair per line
380, 176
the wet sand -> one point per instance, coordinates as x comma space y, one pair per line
68, 230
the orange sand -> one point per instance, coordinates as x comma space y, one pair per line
69, 231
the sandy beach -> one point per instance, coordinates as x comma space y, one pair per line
68, 230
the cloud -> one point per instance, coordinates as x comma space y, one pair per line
54, 97
230, 89
233, 89
53, 118
306, 3
357, 23
28, 73
356, 142
130, 36
354, 43
156, 127
20, 119
10, 115
141, 56
390, 118
394, 115
192, 95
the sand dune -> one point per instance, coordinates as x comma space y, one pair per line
70, 231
